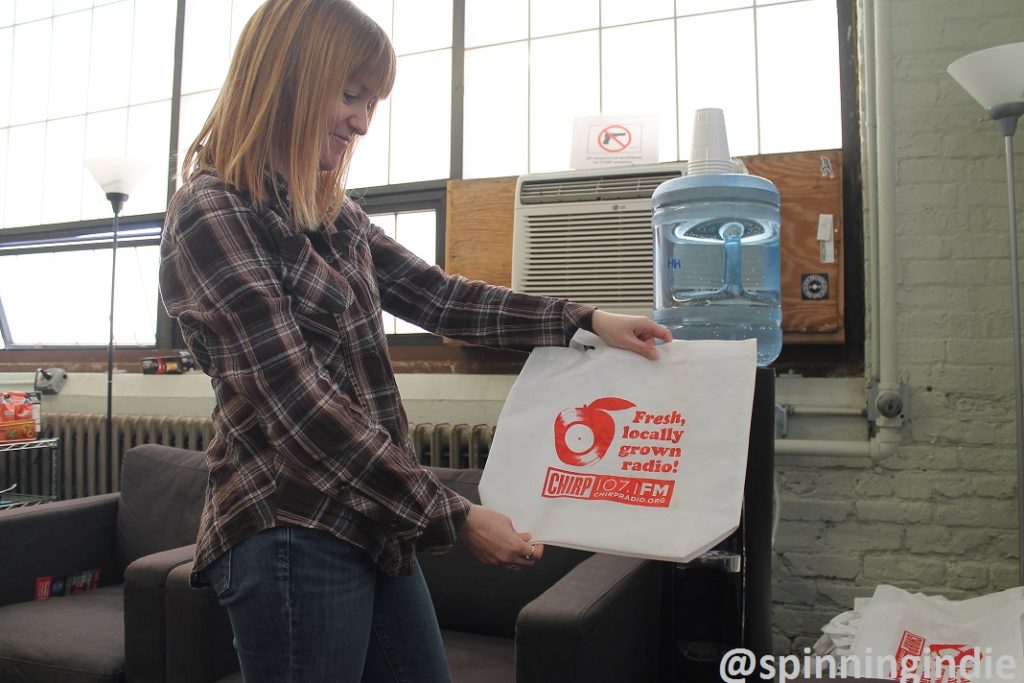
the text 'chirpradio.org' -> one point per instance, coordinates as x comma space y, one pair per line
962, 664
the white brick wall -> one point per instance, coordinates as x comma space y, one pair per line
940, 515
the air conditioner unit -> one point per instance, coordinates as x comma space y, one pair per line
586, 235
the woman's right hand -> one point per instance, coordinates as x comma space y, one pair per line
492, 538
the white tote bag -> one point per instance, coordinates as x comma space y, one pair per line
914, 637
606, 450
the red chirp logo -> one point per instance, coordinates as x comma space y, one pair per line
582, 435
925, 662
649, 442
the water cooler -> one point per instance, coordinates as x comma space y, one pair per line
716, 276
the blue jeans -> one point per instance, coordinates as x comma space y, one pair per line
306, 607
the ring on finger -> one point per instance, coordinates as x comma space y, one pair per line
530, 556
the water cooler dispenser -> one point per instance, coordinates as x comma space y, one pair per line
716, 248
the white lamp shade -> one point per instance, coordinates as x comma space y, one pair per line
993, 76
117, 174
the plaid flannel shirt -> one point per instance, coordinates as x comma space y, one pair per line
309, 425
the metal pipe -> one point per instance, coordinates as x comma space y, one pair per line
886, 189
836, 411
886, 440
823, 447
869, 134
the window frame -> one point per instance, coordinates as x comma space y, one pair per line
427, 195
57, 237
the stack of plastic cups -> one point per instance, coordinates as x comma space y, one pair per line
710, 149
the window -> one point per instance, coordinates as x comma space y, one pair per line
414, 215
57, 292
416, 230
532, 67
410, 138
68, 93
484, 89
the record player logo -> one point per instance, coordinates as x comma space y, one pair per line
582, 435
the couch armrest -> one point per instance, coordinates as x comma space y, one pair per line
600, 622
200, 646
56, 539
145, 613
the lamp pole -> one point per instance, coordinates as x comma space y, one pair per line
116, 176
1006, 117
117, 200
994, 78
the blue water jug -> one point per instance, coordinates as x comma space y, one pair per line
716, 254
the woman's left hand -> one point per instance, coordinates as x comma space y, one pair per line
630, 332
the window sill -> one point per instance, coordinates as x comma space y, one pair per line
431, 358
428, 358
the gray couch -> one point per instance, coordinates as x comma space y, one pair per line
116, 631
574, 617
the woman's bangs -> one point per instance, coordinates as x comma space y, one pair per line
376, 63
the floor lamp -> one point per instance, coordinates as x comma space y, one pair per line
117, 177
995, 78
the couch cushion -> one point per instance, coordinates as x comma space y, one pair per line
460, 584
73, 639
473, 658
162, 492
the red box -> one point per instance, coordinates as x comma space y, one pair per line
18, 430
18, 416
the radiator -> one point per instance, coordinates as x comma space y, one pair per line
86, 466
87, 470
446, 445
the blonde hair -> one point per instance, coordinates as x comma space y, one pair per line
292, 63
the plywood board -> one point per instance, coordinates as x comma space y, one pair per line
810, 185
478, 233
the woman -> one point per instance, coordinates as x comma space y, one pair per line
316, 504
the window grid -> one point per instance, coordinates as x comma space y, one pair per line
62, 116
757, 132
76, 49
